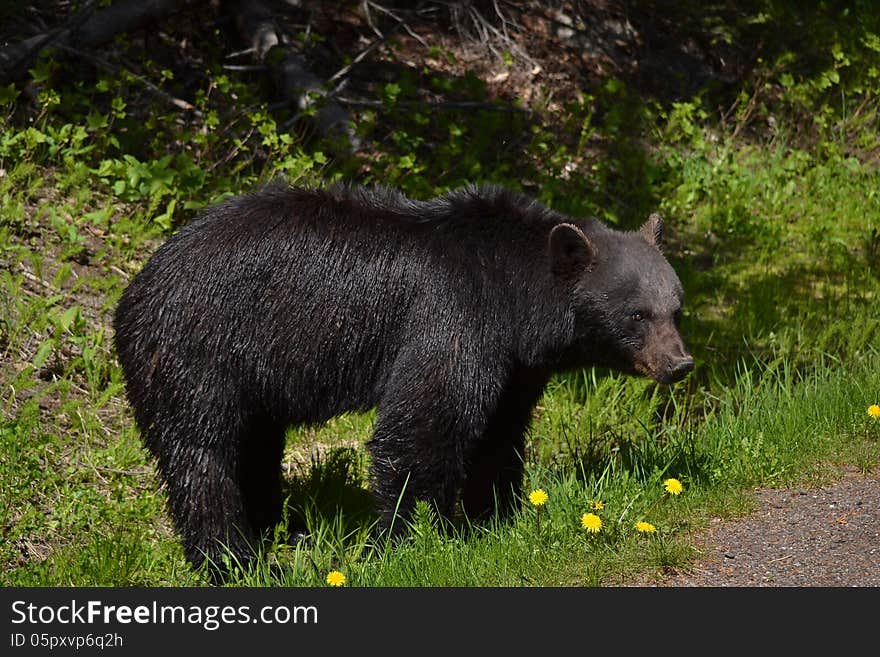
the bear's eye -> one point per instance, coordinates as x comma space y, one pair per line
637, 316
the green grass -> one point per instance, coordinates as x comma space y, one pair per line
773, 227
85, 509
781, 429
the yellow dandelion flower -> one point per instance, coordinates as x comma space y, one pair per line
673, 486
874, 410
645, 527
538, 497
335, 578
598, 506
591, 522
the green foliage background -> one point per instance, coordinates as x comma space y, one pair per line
769, 184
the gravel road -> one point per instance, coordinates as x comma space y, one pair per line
822, 537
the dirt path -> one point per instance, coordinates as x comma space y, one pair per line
828, 536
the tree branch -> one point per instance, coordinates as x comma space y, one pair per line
152, 88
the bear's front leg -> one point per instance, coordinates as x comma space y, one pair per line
431, 416
412, 462
494, 466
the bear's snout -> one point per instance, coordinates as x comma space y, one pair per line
666, 360
680, 368
670, 371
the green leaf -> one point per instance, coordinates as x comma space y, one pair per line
164, 219
8, 94
95, 121
67, 318
43, 353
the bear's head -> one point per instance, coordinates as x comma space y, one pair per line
625, 297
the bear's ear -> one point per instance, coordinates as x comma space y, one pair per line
652, 230
571, 251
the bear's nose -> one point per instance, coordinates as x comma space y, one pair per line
679, 369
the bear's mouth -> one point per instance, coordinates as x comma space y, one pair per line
670, 372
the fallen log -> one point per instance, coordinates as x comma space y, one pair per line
88, 29
295, 83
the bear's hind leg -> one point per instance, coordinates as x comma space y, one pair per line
199, 459
206, 504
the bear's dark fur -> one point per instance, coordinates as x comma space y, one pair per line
290, 305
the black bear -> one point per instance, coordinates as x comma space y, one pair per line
291, 305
